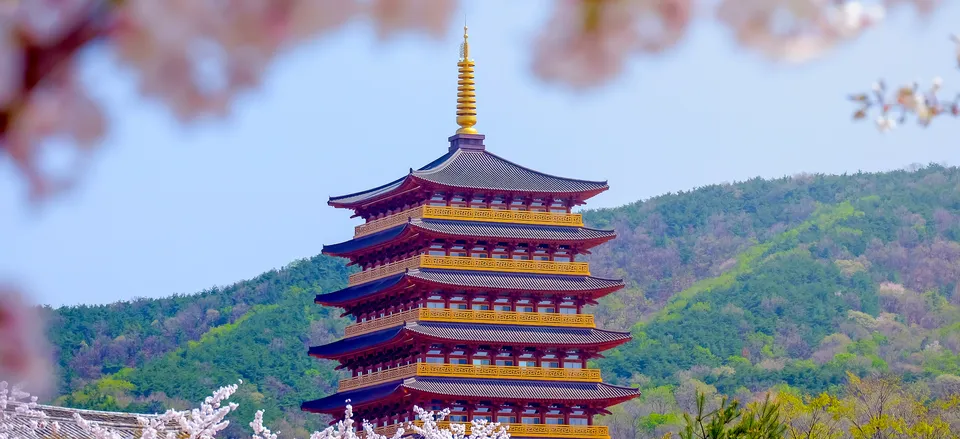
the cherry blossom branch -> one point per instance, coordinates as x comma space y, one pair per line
908, 101
25, 408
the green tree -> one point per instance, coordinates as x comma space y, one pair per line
730, 421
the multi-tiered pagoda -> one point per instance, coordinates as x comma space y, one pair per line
471, 295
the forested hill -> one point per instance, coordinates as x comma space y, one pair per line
732, 288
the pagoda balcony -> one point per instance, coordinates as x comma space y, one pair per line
471, 316
470, 214
522, 430
471, 264
471, 371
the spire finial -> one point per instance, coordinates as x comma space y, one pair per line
466, 91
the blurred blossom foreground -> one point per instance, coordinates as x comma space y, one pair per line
24, 354
21, 417
196, 55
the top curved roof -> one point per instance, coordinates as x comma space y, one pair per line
480, 170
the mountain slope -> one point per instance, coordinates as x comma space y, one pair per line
736, 287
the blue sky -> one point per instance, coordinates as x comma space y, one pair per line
165, 209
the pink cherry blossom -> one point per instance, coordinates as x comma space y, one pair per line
394, 16
796, 30
24, 357
586, 42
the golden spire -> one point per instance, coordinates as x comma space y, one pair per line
466, 93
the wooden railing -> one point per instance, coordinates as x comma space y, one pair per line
471, 371
522, 430
469, 263
469, 214
383, 271
471, 316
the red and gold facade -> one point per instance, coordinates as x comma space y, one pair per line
471, 296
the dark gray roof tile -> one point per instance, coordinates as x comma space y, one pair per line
479, 170
476, 279
519, 389
490, 231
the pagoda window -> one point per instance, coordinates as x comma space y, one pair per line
458, 302
500, 253
578, 420
502, 304
518, 204
483, 413
481, 303
521, 253
559, 206
506, 416
481, 359
551, 361
437, 249
505, 359
546, 306
458, 200
541, 254
498, 203
527, 360
478, 202
478, 252
458, 250
524, 305
438, 199
562, 255
568, 308
538, 205
530, 416
458, 357
457, 414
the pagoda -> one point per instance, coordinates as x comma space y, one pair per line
471, 295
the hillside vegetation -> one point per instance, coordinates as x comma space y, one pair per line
732, 289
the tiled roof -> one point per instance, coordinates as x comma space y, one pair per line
475, 279
478, 388
370, 240
123, 423
527, 335
469, 332
492, 231
517, 281
338, 401
519, 389
365, 341
479, 169
358, 291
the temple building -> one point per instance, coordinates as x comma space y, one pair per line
471, 295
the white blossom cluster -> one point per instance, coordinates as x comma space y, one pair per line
209, 419
907, 101
24, 409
